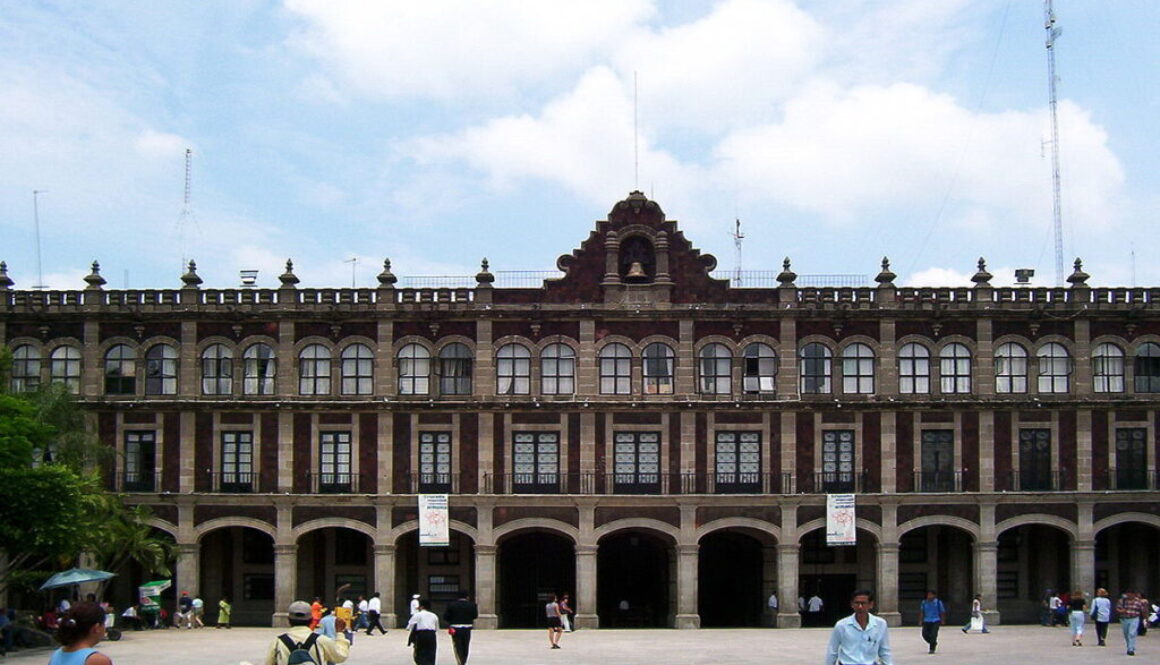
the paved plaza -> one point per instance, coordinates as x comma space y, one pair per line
1020, 645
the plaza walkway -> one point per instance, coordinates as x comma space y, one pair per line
1017, 645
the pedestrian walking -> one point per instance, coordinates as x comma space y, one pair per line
772, 604
814, 607
374, 614
555, 626
224, 609
460, 615
976, 622
1076, 605
301, 643
1130, 609
566, 613
422, 628
861, 638
933, 614
1101, 614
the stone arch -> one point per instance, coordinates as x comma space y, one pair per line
223, 522
413, 525
820, 523
163, 525
1124, 518
940, 520
748, 523
533, 524
1063, 524
663, 529
334, 522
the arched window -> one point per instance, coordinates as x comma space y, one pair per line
217, 370
258, 370
314, 370
815, 369
358, 369
857, 370
161, 370
760, 372
659, 361
1147, 366
64, 365
558, 370
120, 370
954, 369
414, 370
1054, 368
25, 368
615, 370
1010, 368
716, 370
513, 370
455, 370
1108, 369
913, 369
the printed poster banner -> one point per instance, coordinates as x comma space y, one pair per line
434, 521
840, 519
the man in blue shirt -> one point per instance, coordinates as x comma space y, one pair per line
934, 613
861, 638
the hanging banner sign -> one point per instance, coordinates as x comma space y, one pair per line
434, 521
840, 519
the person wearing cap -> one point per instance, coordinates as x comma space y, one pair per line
414, 604
322, 649
422, 628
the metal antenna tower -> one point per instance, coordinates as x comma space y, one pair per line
187, 218
1057, 207
40, 285
738, 236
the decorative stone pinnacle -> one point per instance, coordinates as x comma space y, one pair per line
386, 277
190, 278
94, 279
5, 281
886, 277
484, 276
1078, 277
982, 277
787, 276
288, 278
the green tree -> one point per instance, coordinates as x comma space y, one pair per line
125, 537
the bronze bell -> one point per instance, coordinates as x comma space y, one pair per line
636, 272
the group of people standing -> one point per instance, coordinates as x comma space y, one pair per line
1131, 610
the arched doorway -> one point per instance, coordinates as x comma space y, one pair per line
1032, 559
331, 558
238, 562
121, 590
938, 558
436, 573
533, 565
634, 576
1128, 557
731, 580
833, 573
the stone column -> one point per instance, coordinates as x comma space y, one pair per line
888, 583
285, 580
484, 359
586, 616
286, 450
769, 584
986, 569
888, 467
687, 557
385, 582
485, 586
1083, 455
188, 568
1083, 551
787, 579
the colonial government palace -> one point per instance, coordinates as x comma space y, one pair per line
654, 441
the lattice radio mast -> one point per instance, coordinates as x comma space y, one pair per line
738, 236
1057, 207
187, 218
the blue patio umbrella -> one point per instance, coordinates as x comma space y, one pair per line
75, 576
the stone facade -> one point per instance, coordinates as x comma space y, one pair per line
652, 439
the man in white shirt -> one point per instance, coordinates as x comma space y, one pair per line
814, 610
861, 638
414, 604
772, 603
423, 626
374, 609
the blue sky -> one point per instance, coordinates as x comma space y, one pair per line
438, 133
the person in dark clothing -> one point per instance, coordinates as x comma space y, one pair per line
460, 615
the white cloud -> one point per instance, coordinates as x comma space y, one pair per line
443, 49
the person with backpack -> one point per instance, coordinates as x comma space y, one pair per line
301, 646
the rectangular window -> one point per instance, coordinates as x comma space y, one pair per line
938, 459
637, 463
838, 461
334, 468
536, 462
1035, 460
738, 462
237, 462
1131, 458
435, 462
140, 460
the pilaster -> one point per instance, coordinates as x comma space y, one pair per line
385, 580
687, 557
788, 556
986, 571
888, 583
485, 586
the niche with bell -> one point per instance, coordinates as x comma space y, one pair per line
638, 263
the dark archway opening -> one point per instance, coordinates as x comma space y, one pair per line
633, 579
832, 573
238, 562
332, 558
1032, 559
436, 573
938, 558
729, 581
532, 567
1128, 557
